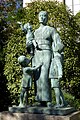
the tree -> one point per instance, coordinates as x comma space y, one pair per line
7, 11
4, 93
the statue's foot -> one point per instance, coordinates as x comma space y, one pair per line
57, 106
61, 105
21, 105
65, 104
49, 104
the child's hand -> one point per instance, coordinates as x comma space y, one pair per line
41, 64
20, 23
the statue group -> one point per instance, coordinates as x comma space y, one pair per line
46, 49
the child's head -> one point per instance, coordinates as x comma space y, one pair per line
23, 61
27, 26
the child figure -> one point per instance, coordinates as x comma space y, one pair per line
56, 73
27, 78
27, 29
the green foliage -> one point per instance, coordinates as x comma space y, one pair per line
66, 25
70, 99
7, 11
14, 49
4, 93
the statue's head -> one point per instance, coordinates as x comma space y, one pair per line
27, 26
43, 17
23, 61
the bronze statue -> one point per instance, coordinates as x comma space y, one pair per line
47, 47
26, 82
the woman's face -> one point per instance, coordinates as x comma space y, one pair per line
43, 17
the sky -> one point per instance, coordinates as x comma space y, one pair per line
76, 7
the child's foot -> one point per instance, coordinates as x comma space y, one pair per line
57, 106
65, 104
49, 104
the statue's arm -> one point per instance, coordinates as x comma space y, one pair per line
30, 69
33, 68
22, 27
37, 66
34, 41
57, 44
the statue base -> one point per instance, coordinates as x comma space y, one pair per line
51, 110
29, 116
43, 110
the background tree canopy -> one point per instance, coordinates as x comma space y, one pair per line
66, 24
7, 11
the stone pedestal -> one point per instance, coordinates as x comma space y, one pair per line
42, 110
28, 116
